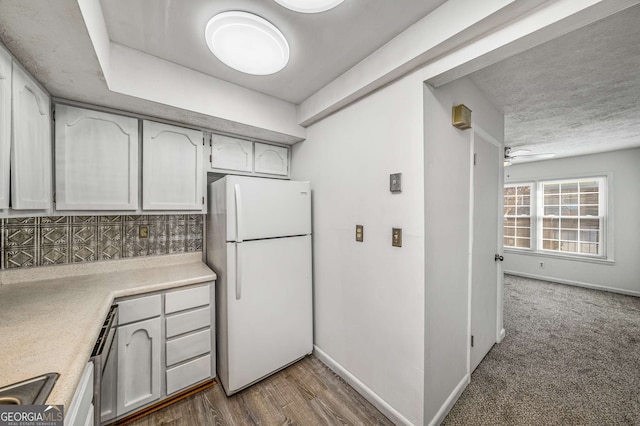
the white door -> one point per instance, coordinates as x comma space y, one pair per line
139, 374
30, 145
269, 307
266, 208
96, 160
5, 126
171, 168
484, 272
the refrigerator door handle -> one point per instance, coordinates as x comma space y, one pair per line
238, 197
238, 272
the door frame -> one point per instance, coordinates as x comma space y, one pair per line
500, 333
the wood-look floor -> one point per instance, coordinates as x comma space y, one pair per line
306, 393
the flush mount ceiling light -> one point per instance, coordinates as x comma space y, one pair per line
247, 43
309, 6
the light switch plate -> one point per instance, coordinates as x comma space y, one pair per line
395, 182
359, 233
396, 237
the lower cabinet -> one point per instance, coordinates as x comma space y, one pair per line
189, 349
139, 351
165, 344
80, 411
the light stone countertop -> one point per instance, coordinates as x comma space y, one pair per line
50, 317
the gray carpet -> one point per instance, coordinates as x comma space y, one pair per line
571, 356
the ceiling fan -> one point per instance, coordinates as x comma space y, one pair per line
523, 154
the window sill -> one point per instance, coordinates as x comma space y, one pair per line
529, 252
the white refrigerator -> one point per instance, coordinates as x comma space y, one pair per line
259, 245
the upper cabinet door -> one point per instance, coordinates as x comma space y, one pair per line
272, 159
172, 173
231, 153
5, 126
96, 160
31, 145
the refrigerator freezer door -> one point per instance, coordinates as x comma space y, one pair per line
269, 313
266, 208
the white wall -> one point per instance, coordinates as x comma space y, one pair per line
447, 157
369, 297
623, 274
395, 320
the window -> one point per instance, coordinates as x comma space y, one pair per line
517, 216
572, 216
561, 216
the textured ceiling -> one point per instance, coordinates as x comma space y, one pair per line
323, 45
578, 94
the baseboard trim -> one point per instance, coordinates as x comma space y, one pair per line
164, 403
501, 335
450, 402
361, 388
575, 283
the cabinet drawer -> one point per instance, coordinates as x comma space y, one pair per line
183, 348
139, 309
188, 374
185, 299
188, 321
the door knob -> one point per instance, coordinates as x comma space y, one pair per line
498, 257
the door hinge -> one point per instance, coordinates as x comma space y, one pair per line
53, 115
475, 159
472, 340
202, 200
203, 141
210, 158
54, 197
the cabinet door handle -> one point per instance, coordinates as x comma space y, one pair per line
498, 258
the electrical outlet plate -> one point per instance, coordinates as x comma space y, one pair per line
143, 231
396, 237
359, 233
395, 182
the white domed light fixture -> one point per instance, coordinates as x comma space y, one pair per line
247, 43
309, 6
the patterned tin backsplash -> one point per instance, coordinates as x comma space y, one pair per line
39, 241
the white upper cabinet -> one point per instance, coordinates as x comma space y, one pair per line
96, 160
30, 145
231, 153
172, 169
271, 159
5, 126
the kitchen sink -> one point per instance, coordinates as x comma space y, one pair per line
29, 392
